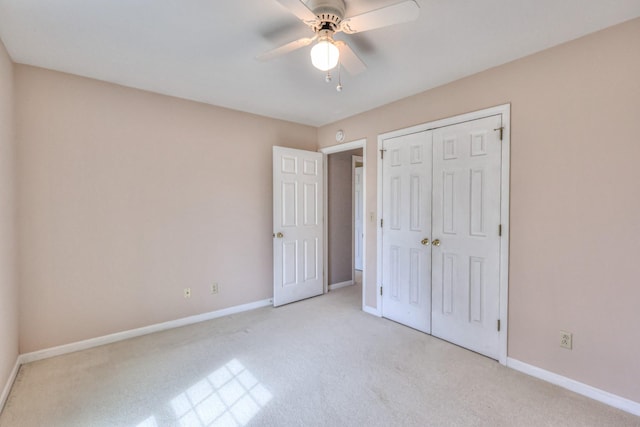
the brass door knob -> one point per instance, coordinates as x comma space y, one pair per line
279, 235
436, 242
425, 242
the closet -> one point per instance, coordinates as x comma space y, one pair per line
442, 220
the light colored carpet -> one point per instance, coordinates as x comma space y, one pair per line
319, 362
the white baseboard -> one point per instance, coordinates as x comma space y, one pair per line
132, 333
9, 384
340, 285
576, 386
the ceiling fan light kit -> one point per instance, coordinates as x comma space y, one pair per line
325, 54
326, 18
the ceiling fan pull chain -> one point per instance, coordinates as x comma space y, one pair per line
339, 87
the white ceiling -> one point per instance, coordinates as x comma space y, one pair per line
204, 50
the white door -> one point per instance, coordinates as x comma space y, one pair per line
297, 225
358, 225
406, 213
466, 219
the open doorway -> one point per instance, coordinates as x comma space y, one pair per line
340, 218
344, 213
357, 207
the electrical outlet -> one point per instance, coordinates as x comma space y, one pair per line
187, 292
214, 288
566, 339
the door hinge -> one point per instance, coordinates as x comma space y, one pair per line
500, 230
381, 222
380, 290
498, 325
382, 153
501, 129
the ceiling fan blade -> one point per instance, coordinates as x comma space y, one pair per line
390, 15
284, 49
298, 8
349, 60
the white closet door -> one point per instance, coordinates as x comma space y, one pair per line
297, 225
466, 217
406, 255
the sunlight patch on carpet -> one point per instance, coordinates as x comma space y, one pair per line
149, 422
228, 397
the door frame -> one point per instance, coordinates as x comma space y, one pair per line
347, 146
505, 111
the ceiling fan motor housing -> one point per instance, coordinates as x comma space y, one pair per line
329, 12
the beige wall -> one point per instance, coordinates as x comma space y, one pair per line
340, 221
128, 197
8, 285
575, 198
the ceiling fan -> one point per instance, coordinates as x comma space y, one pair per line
326, 18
